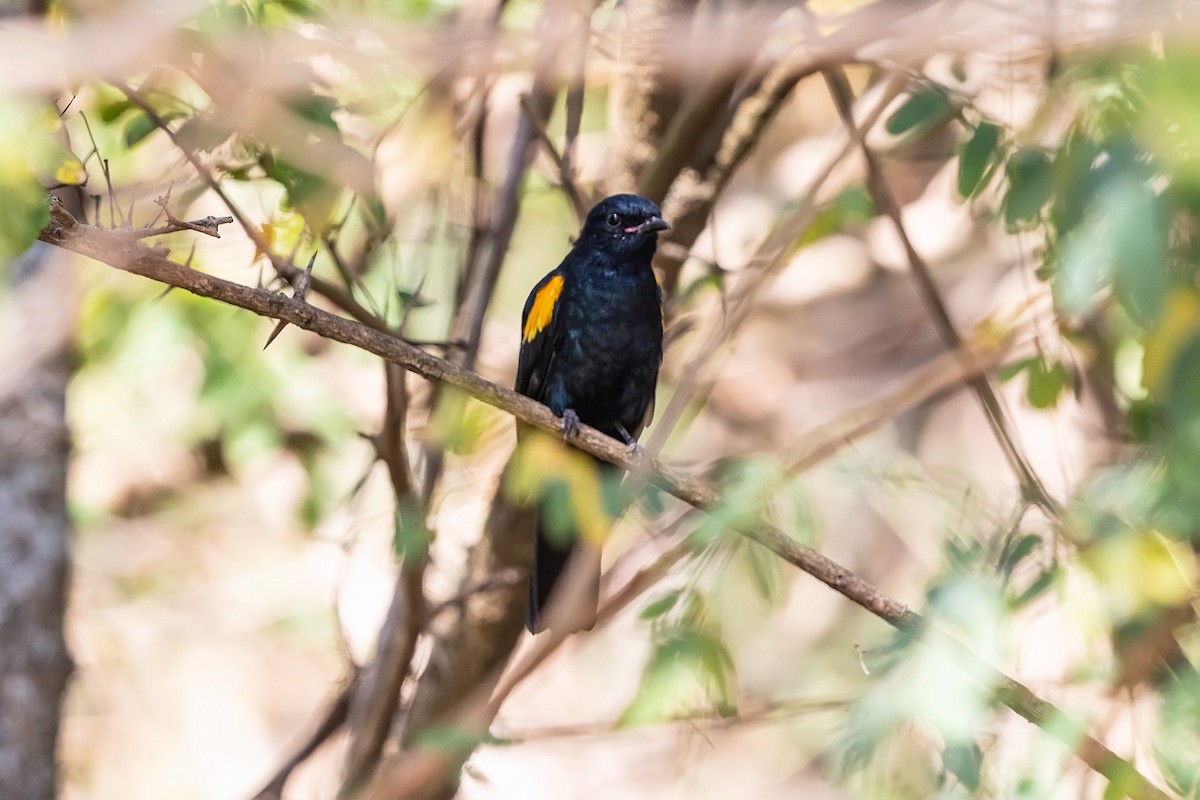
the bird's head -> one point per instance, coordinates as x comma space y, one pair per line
624, 225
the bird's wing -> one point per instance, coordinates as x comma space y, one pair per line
541, 327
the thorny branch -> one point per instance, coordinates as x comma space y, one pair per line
119, 250
286, 270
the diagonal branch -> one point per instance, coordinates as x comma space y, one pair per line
120, 250
286, 270
881, 194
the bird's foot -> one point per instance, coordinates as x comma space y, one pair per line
570, 424
635, 450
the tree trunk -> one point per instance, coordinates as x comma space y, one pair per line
35, 361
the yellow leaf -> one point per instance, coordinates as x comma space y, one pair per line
1142, 568
1179, 322
541, 460
70, 173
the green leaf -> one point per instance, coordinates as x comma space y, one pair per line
978, 159
1029, 187
317, 109
1045, 383
201, 133
1016, 551
26, 212
1010, 371
687, 665
1183, 411
748, 487
1121, 240
1177, 740
1139, 247
451, 740
411, 539
922, 110
765, 569
111, 110
1074, 181
661, 606
137, 128
1040, 584
965, 762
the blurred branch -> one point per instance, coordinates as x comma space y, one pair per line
284, 268
424, 773
123, 252
481, 275
749, 713
375, 704
331, 721
483, 633
565, 178
945, 373
694, 193
762, 265
881, 194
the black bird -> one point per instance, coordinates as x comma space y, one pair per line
591, 347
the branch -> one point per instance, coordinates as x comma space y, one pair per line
331, 722
749, 712
286, 270
885, 201
561, 160
208, 226
375, 704
120, 250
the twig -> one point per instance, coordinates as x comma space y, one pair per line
501, 580
299, 292
288, 271
565, 178
881, 194
112, 197
207, 226
947, 371
763, 264
748, 713
331, 721
376, 703
131, 256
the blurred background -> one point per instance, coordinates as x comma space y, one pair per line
932, 309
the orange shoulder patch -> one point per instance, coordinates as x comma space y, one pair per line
543, 308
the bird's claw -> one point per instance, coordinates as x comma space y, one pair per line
635, 450
570, 424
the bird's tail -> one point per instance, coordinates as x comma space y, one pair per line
565, 569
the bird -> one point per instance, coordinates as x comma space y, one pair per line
591, 348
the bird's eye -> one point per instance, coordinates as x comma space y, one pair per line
614, 219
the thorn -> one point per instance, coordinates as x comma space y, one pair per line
862, 659
163, 294
300, 285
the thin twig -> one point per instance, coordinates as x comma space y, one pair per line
376, 702
748, 713
331, 722
763, 264
208, 226
565, 178
881, 194
286, 270
131, 256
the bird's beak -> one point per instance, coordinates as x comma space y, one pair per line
654, 224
